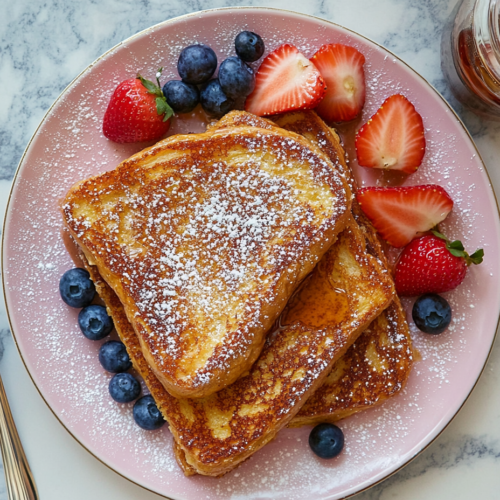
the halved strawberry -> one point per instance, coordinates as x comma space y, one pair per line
341, 67
400, 214
393, 138
285, 81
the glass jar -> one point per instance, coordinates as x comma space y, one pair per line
470, 55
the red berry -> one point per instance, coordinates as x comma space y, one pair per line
426, 265
341, 66
132, 114
286, 81
399, 214
393, 138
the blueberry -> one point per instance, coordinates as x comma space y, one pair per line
113, 357
326, 440
182, 97
147, 415
124, 388
236, 78
249, 46
431, 313
76, 288
197, 64
94, 322
214, 101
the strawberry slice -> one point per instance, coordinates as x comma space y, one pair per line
393, 138
341, 67
400, 214
285, 81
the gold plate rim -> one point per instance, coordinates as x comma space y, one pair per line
174, 20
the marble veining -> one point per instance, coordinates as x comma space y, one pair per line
44, 45
463, 451
4, 333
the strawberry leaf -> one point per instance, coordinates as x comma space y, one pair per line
457, 253
439, 235
456, 245
477, 256
162, 107
150, 86
456, 248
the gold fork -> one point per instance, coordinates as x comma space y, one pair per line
18, 476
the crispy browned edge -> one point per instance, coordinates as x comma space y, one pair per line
124, 174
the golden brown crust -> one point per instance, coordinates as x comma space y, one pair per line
204, 238
375, 368
309, 125
181, 460
241, 118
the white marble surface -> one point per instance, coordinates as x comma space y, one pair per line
43, 46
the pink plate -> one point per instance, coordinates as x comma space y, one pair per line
69, 146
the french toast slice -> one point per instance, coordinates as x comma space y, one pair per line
375, 368
204, 238
378, 364
215, 434
304, 123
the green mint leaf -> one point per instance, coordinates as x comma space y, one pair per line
150, 86
456, 245
439, 235
477, 256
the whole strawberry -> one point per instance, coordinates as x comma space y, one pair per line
433, 264
137, 111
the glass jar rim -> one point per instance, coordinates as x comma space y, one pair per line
486, 31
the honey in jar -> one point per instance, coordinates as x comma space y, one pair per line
470, 55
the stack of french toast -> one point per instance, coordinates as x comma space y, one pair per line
249, 289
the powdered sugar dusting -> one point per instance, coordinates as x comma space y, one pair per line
201, 239
70, 147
